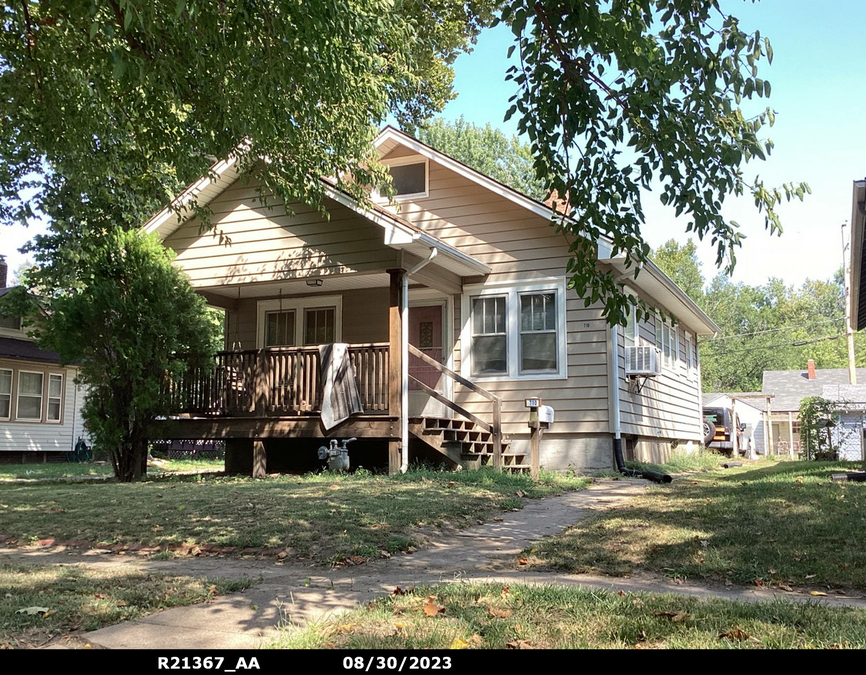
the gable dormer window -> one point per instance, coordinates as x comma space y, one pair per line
409, 177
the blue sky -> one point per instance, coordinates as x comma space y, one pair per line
819, 95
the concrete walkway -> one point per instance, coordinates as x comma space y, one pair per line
294, 595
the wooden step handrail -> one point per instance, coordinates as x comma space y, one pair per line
496, 403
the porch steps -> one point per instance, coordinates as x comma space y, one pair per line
464, 443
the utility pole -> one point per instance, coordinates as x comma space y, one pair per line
849, 330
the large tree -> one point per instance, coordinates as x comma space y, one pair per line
625, 96
132, 329
680, 262
109, 108
486, 149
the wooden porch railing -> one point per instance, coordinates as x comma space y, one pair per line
494, 428
276, 381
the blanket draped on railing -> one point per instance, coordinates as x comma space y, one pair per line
340, 396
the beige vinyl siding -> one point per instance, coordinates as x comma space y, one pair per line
365, 317
668, 406
23, 436
518, 245
276, 243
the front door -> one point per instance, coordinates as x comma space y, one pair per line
425, 333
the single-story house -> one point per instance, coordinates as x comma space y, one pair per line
455, 303
40, 404
790, 387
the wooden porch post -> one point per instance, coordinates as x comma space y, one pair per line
395, 353
260, 459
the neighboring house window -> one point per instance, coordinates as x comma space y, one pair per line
515, 331
538, 348
666, 340
632, 330
5, 394
29, 406
55, 397
280, 329
292, 322
489, 336
319, 325
659, 336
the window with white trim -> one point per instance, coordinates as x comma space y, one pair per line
631, 332
319, 325
55, 397
538, 348
489, 335
659, 336
410, 178
689, 354
5, 394
515, 332
673, 345
30, 389
280, 329
293, 321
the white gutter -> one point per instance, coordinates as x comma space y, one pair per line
404, 359
614, 381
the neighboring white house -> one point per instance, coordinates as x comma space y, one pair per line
40, 404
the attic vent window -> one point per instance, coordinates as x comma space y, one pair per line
409, 177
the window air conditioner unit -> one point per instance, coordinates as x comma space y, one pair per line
643, 361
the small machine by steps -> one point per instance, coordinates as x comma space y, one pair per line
338, 457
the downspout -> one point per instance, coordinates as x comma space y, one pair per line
617, 421
404, 360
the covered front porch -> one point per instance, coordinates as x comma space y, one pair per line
265, 388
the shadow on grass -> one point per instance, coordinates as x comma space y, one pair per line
782, 523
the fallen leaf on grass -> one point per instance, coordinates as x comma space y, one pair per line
43, 611
819, 593
735, 634
498, 519
676, 617
498, 613
519, 644
520, 493
121, 603
459, 644
431, 607
523, 561
506, 590
785, 587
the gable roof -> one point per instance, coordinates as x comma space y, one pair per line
398, 233
792, 386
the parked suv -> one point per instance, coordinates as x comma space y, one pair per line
718, 425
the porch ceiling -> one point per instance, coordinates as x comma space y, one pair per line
299, 286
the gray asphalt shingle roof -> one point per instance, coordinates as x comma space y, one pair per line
792, 386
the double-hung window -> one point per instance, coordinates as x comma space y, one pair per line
515, 332
29, 405
5, 394
319, 325
666, 340
538, 348
489, 335
690, 364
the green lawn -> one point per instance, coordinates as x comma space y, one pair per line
498, 617
681, 462
67, 469
79, 599
767, 523
322, 516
